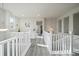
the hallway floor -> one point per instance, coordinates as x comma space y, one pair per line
37, 50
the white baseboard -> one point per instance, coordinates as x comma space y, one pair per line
24, 53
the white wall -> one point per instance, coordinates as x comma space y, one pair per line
1, 5
2, 23
10, 21
5, 23
32, 23
2, 18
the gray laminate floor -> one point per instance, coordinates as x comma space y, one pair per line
36, 50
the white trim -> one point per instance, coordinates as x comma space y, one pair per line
1, 50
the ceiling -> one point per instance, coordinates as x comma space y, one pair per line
39, 9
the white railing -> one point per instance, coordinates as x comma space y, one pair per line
58, 43
61, 43
75, 43
48, 40
17, 45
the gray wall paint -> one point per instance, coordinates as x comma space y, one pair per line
66, 24
76, 23
60, 26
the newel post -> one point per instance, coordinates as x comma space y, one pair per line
50, 42
71, 42
1, 50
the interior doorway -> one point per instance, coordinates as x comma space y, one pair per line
39, 28
76, 23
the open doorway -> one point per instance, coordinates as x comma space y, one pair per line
39, 28
76, 23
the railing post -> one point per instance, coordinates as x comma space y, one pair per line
13, 48
51, 42
71, 41
19, 44
8, 48
1, 50
16, 47
58, 43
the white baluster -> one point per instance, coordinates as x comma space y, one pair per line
13, 48
66, 42
71, 40
8, 48
16, 46
19, 47
53, 41
23, 41
1, 50
58, 42
62, 43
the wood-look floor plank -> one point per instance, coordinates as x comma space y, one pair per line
37, 50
